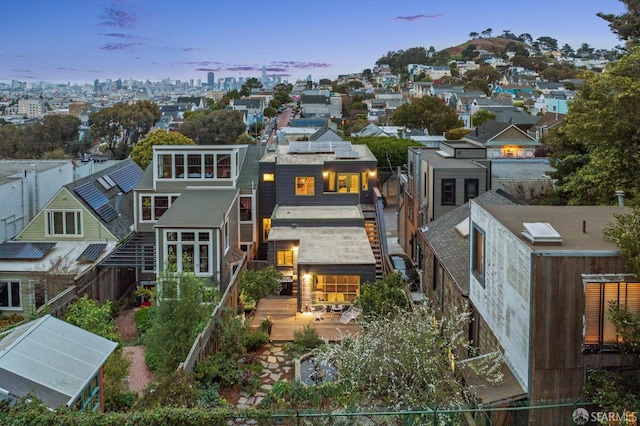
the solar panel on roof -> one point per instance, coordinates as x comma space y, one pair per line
127, 177
91, 253
106, 182
106, 212
347, 154
92, 195
24, 250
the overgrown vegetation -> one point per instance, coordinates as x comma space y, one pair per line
98, 318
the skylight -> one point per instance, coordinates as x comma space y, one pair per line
541, 232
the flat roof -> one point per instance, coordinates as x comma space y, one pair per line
281, 155
317, 212
14, 169
343, 245
566, 220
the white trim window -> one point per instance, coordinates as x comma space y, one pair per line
190, 249
64, 222
152, 207
10, 296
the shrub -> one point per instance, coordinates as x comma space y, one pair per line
144, 318
120, 403
218, 368
255, 339
210, 395
304, 340
232, 341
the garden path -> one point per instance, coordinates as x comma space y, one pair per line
139, 375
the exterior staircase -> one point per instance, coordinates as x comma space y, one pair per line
371, 227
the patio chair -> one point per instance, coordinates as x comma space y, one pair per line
350, 314
318, 312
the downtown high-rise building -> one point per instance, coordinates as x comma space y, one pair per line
210, 80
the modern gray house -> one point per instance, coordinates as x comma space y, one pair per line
319, 219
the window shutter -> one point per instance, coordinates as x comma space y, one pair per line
592, 314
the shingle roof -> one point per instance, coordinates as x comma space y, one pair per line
449, 246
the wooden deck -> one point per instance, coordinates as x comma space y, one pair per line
286, 320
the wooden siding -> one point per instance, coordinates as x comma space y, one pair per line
92, 228
367, 274
558, 366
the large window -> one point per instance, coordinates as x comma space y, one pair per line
190, 250
64, 222
284, 258
9, 294
598, 328
477, 254
305, 185
153, 206
194, 166
448, 194
335, 289
471, 188
348, 182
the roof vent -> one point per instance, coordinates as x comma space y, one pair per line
541, 233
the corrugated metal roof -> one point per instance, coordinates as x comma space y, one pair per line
51, 359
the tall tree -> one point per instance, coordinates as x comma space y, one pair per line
216, 127
428, 113
142, 153
603, 126
567, 50
250, 84
547, 44
473, 35
482, 117
626, 25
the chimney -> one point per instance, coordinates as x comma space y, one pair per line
620, 195
118, 202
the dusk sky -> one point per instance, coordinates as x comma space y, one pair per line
83, 40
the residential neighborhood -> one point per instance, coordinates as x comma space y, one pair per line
488, 200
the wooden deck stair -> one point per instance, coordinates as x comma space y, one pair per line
371, 227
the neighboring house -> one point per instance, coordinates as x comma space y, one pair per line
545, 123
435, 182
325, 134
312, 195
512, 89
316, 106
65, 242
489, 104
195, 206
172, 116
541, 279
56, 362
503, 140
25, 188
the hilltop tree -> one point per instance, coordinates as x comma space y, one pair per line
487, 32
625, 26
428, 113
567, 51
547, 44
585, 51
142, 153
473, 35
526, 38
600, 136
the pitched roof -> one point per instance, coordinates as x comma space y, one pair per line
315, 99
449, 246
120, 226
51, 359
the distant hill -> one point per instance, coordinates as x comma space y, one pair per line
494, 45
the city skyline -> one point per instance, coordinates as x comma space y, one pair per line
80, 41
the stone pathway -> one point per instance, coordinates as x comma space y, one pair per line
139, 374
276, 367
